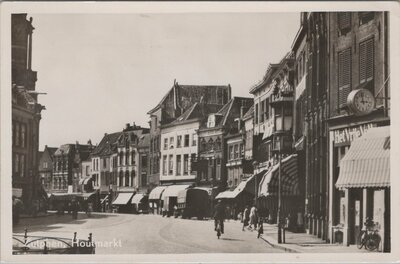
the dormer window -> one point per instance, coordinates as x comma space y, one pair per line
211, 121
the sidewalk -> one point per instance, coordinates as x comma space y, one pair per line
305, 243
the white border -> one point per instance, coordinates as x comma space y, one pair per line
189, 7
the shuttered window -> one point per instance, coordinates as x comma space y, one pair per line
344, 21
366, 60
344, 76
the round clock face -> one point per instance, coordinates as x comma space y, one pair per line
361, 101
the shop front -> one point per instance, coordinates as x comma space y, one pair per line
155, 201
363, 185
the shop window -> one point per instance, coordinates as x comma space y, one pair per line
366, 63
133, 174
344, 76
344, 22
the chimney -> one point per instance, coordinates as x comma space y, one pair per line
105, 134
241, 111
128, 125
89, 142
133, 125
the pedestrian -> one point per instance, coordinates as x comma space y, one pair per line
253, 217
260, 227
219, 215
90, 209
246, 217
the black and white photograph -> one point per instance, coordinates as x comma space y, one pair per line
177, 132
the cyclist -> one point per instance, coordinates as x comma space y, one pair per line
219, 215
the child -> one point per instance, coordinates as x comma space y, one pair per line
260, 227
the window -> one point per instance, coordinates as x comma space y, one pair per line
16, 163
87, 170
344, 76
133, 174
344, 22
120, 178
236, 151
366, 61
133, 155
218, 144
179, 141
192, 160
210, 144
194, 136
164, 165
186, 140
231, 155
144, 161
171, 142
104, 163
165, 143
22, 174
203, 144
185, 164
218, 161
256, 113
17, 127
241, 150
171, 164
23, 138
178, 165
121, 158
266, 111
45, 165
262, 110
365, 17
126, 179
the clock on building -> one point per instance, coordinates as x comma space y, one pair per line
361, 101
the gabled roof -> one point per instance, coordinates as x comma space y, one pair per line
106, 144
249, 113
196, 111
67, 149
144, 141
231, 110
193, 92
51, 150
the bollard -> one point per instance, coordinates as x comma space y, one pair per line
45, 247
26, 235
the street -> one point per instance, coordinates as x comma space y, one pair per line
146, 234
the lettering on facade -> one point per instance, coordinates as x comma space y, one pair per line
347, 135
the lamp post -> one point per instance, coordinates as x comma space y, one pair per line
279, 193
255, 165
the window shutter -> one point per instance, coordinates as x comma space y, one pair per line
344, 20
366, 60
344, 76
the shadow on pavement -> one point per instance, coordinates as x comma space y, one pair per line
231, 239
54, 222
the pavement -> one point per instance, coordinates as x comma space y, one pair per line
147, 234
304, 243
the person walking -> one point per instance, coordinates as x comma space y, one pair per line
260, 227
246, 217
253, 217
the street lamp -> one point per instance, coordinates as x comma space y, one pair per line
255, 165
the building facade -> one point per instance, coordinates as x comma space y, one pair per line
178, 100
358, 68
67, 166
26, 115
46, 168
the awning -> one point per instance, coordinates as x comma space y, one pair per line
173, 190
85, 180
289, 179
248, 185
123, 199
137, 198
155, 194
367, 162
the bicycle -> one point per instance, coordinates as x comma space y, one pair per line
369, 237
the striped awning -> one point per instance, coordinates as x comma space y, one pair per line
155, 194
173, 190
289, 179
137, 198
122, 199
367, 162
247, 185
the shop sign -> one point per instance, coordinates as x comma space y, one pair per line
347, 135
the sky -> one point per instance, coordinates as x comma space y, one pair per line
101, 71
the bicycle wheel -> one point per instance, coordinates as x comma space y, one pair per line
361, 240
371, 244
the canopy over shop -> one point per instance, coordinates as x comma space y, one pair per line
365, 179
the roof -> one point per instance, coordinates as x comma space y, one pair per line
144, 141
249, 113
51, 150
367, 163
193, 93
106, 144
196, 111
232, 109
67, 149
